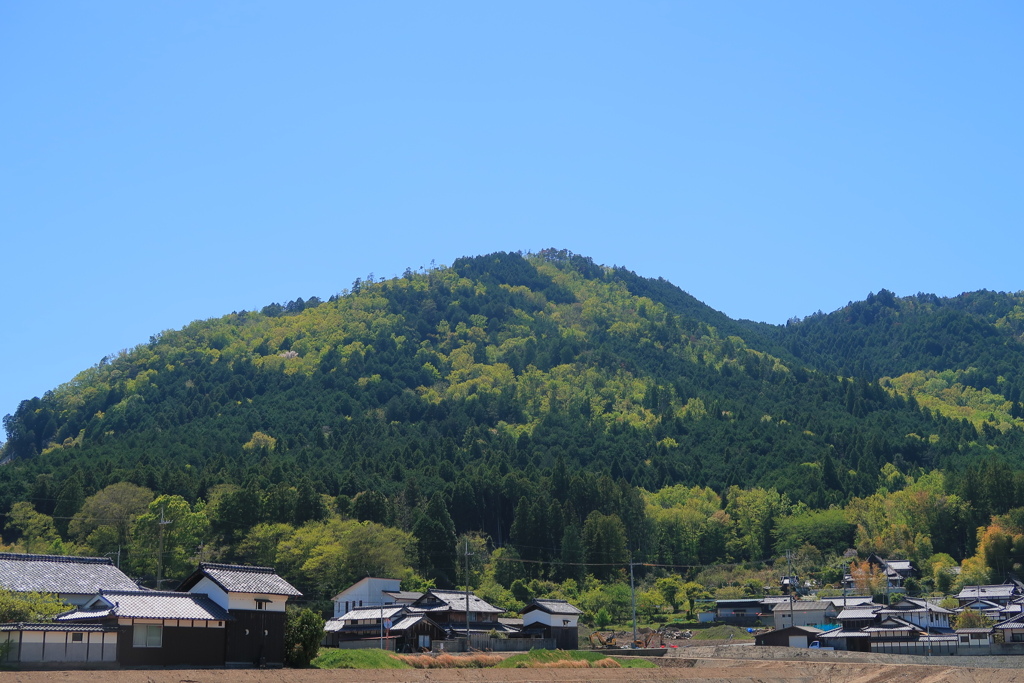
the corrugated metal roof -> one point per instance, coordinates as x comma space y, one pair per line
60, 574
238, 578
858, 613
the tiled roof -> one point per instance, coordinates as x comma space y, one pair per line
61, 574
1013, 622
455, 601
404, 595
237, 578
371, 613
74, 628
152, 605
553, 607
1005, 590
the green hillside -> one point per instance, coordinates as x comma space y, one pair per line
520, 396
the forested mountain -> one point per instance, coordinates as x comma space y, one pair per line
520, 395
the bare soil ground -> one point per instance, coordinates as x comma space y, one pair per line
675, 668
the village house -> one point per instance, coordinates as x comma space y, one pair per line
909, 626
791, 636
896, 572
158, 628
255, 597
740, 612
393, 627
803, 613
75, 580
448, 609
555, 619
372, 591
1001, 594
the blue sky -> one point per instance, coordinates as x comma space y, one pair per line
165, 162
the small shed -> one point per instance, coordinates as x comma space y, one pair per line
791, 636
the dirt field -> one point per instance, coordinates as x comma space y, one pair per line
681, 668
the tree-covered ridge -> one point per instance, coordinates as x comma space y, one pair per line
531, 401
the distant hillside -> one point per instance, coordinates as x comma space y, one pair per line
476, 379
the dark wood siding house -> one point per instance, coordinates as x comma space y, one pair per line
158, 628
255, 598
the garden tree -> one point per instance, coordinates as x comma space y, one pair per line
303, 631
973, 572
31, 531
868, 579
70, 497
971, 618
167, 538
521, 591
693, 591
604, 543
671, 587
613, 597
939, 570
29, 607
650, 602
602, 619
435, 533
113, 509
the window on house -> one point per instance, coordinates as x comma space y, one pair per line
964, 639
261, 603
148, 635
76, 637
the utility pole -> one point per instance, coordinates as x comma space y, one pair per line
632, 591
789, 564
467, 593
160, 549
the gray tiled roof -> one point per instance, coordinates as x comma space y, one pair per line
455, 601
371, 613
74, 628
61, 574
152, 605
237, 578
553, 607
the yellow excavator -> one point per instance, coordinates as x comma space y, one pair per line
600, 640
646, 638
